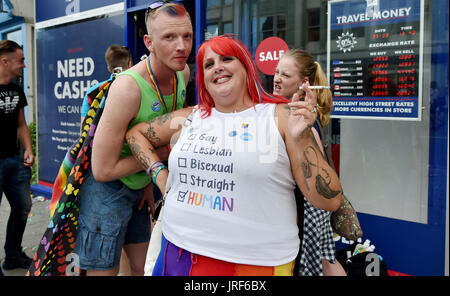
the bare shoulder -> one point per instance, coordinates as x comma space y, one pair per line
282, 112
125, 84
122, 104
281, 118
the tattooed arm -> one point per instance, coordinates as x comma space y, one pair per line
318, 182
107, 165
145, 137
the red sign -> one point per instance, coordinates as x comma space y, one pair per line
269, 53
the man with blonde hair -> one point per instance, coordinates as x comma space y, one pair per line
111, 212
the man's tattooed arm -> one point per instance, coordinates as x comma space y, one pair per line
143, 159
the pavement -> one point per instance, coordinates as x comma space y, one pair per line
38, 220
37, 223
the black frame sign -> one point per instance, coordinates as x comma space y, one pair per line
375, 58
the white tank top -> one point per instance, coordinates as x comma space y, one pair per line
232, 194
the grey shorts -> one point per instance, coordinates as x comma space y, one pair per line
109, 218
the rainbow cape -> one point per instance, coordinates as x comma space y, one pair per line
54, 255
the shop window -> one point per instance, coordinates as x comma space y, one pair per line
281, 26
313, 23
272, 26
219, 17
228, 28
14, 36
212, 3
393, 184
211, 31
266, 29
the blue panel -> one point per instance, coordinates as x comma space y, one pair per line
64, 73
42, 190
352, 13
49, 9
200, 24
438, 115
411, 248
414, 248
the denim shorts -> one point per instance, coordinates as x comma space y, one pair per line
109, 218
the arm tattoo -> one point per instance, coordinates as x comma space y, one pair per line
150, 134
323, 188
137, 152
306, 167
323, 178
164, 118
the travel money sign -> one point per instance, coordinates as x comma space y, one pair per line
375, 59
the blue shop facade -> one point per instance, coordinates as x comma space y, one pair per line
387, 65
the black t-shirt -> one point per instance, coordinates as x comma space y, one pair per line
12, 99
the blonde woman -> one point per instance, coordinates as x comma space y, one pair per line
295, 68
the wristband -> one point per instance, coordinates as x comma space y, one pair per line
155, 174
152, 167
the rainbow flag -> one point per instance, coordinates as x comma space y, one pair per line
54, 253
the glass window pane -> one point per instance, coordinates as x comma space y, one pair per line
303, 24
211, 31
227, 28
15, 36
212, 3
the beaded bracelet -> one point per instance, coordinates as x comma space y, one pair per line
155, 174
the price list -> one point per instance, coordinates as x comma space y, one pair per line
375, 62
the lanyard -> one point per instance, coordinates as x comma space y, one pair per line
158, 91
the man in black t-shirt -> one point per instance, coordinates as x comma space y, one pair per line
15, 169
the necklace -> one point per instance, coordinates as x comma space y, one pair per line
158, 91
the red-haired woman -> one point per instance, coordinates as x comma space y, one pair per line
230, 209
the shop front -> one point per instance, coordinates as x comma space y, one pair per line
387, 64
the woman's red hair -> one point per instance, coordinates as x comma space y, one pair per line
227, 46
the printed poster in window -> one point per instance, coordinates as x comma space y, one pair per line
375, 59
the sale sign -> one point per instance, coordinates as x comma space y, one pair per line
269, 53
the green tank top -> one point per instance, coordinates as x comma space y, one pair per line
150, 108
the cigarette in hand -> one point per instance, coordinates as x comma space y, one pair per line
315, 87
